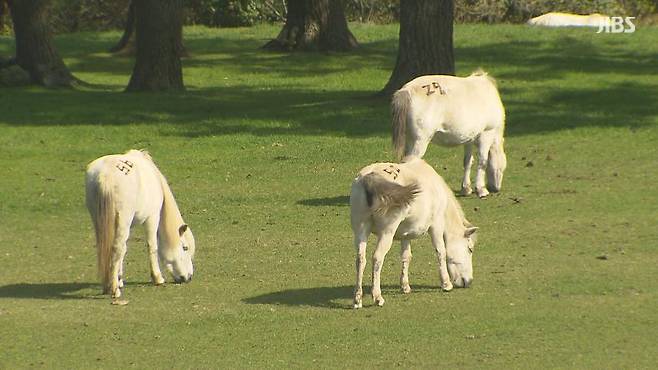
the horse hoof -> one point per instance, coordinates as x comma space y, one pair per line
119, 302
483, 193
379, 301
159, 281
358, 305
447, 287
466, 191
406, 289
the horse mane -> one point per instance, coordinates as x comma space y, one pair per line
141, 152
170, 217
456, 219
146, 154
482, 73
479, 72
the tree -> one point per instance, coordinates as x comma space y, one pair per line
425, 45
35, 50
314, 25
127, 43
159, 29
4, 9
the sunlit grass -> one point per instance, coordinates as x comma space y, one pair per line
260, 152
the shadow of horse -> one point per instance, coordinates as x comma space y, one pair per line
341, 200
57, 290
48, 290
325, 297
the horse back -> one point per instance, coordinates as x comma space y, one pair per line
458, 109
414, 216
132, 179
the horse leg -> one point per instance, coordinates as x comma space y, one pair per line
484, 143
468, 162
151, 229
417, 146
360, 242
436, 233
384, 242
121, 274
119, 249
405, 254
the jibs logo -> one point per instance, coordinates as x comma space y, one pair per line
617, 25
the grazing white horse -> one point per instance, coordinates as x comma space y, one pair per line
404, 201
124, 190
453, 111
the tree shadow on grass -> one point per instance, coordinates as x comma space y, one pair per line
534, 68
216, 111
326, 297
47, 291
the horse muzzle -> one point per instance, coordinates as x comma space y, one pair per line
462, 283
493, 188
183, 279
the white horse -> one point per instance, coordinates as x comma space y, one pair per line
404, 201
452, 111
124, 190
557, 19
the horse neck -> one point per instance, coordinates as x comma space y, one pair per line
456, 221
170, 217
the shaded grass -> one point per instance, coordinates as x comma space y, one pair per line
260, 152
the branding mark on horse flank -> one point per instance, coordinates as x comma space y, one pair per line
125, 166
393, 171
431, 88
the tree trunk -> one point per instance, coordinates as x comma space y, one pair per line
3, 10
35, 51
126, 44
159, 30
425, 45
314, 25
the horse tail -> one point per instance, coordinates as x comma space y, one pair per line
400, 107
384, 196
479, 72
482, 73
101, 204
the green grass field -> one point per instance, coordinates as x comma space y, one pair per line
260, 153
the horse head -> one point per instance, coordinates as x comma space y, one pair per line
460, 257
179, 262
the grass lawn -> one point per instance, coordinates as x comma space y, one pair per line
260, 152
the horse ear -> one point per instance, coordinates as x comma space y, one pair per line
182, 229
470, 231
